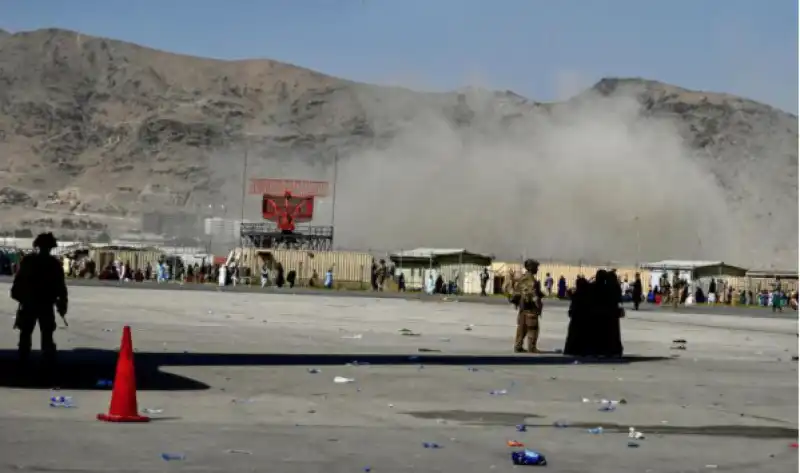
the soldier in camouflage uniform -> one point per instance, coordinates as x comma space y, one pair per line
527, 297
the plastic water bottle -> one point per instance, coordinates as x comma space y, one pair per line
596, 430
528, 457
522, 428
431, 445
173, 457
61, 401
560, 424
499, 392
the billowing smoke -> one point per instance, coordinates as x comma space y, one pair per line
589, 179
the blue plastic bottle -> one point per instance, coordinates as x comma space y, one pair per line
528, 457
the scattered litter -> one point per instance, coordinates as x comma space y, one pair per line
499, 392
515, 443
152, 411
108, 329
528, 457
239, 452
522, 428
469, 368
356, 336
357, 363
468, 328
633, 445
391, 406
596, 430
411, 334
104, 383
61, 401
633, 434
678, 344
607, 407
173, 457
242, 401
431, 445
428, 350
313, 370
343, 380
561, 424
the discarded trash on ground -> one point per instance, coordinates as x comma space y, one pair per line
633, 445
343, 380
678, 344
173, 457
431, 445
596, 430
522, 428
152, 411
632, 433
561, 424
61, 401
499, 392
239, 452
428, 350
468, 328
528, 457
355, 336
357, 363
313, 370
515, 443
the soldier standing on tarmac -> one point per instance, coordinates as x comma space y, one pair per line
37, 287
527, 297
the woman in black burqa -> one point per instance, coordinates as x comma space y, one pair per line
608, 339
579, 333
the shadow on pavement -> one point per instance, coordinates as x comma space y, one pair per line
84, 369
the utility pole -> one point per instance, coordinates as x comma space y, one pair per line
333, 197
244, 187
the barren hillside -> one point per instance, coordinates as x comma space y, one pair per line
94, 132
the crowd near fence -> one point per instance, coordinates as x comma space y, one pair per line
352, 269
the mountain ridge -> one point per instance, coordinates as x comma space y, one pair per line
109, 130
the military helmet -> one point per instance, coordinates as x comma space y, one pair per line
45, 241
531, 265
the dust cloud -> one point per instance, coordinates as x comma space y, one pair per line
589, 179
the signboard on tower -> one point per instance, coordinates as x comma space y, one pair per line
298, 188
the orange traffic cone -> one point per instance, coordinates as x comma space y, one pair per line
123, 395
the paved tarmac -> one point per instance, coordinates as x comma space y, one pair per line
227, 373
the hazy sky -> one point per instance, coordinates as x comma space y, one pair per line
543, 49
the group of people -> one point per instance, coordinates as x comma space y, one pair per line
595, 312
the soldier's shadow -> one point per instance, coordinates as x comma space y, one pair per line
87, 369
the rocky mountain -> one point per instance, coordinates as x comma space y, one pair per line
94, 133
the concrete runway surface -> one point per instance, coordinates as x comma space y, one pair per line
229, 375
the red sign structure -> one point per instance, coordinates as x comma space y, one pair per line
298, 188
287, 210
